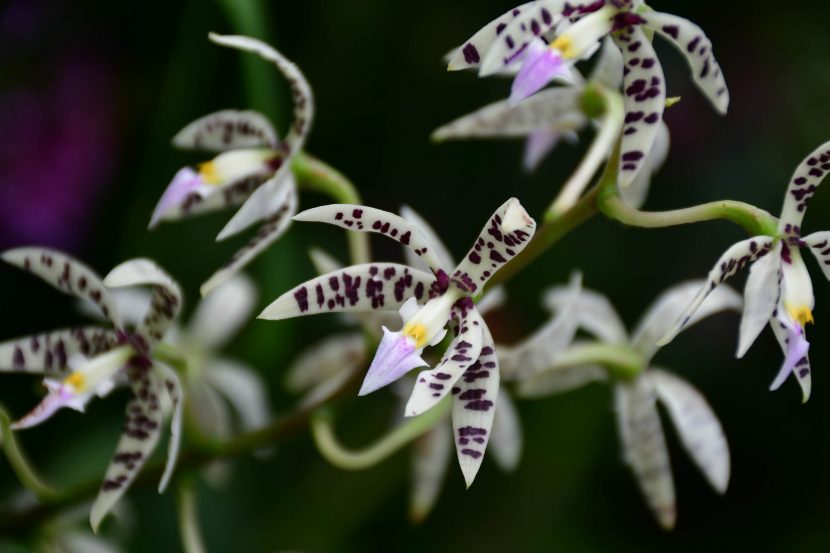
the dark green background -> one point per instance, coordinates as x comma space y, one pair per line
381, 89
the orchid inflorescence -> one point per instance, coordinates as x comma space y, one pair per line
428, 313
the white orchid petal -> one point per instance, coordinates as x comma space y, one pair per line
220, 315
244, 389
697, 425
227, 130
593, 310
761, 295
819, 244
173, 407
506, 438
430, 459
49, 352
560, 380
636, 193
608, 70
441, 251
335, 354
802, 186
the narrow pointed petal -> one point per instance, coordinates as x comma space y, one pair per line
340, 352
673, 303
139, 438
644, 448
244, 389
796, 351
559, 380
594, 312
433, 385
506, 438
541, 65
396, 355
803, 185
372, 286
506, 234
473, 408
283, 206
819, 244
442, 253
253, 209
166, 300
644, 89
556, 108
469, 55
608, 70
172, 396
430, 459
761, 295
220, 315
368, 219
67, 274
185, 183
49, 353
200, 201
227, 130
698, 426
636, 193
734, 259
539, 144
693, 43
512, 42
802, 367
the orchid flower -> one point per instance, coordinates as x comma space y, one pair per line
82, 362
469, 367
543, 367
779, 290
518, 38
556, 113
253, 167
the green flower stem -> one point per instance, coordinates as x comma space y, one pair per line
191, 532
620, 359
20, 464
316, 176
172, 356
322, 429
608, 106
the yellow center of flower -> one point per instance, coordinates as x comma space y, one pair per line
208, 172
76, 380
801, 314
565, 45
417, 332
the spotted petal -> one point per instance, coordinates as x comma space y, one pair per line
635, 194
469, 55
49, 352
506, 234
433, 385
556, 109
430, 459
819, 244
761, 295
644, 447
368, 219
206, 199
166, 300
68, 275
644, 100
511, 44
227, 130
506, 438
372, 286
257, 206
734, 259
139, 437
283, 206
675, 301
473, 408
691, 40
696, 423
803, 185
219, 316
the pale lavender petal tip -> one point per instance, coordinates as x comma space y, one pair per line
396, 356
57, 398
797, 348
539, 144
541, 65
184, 182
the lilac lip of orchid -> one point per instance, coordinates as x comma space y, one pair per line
542, 65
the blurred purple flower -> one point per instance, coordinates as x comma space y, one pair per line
58, 154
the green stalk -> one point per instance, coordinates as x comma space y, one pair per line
21, 466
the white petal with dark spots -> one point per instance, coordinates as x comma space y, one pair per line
227, 130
